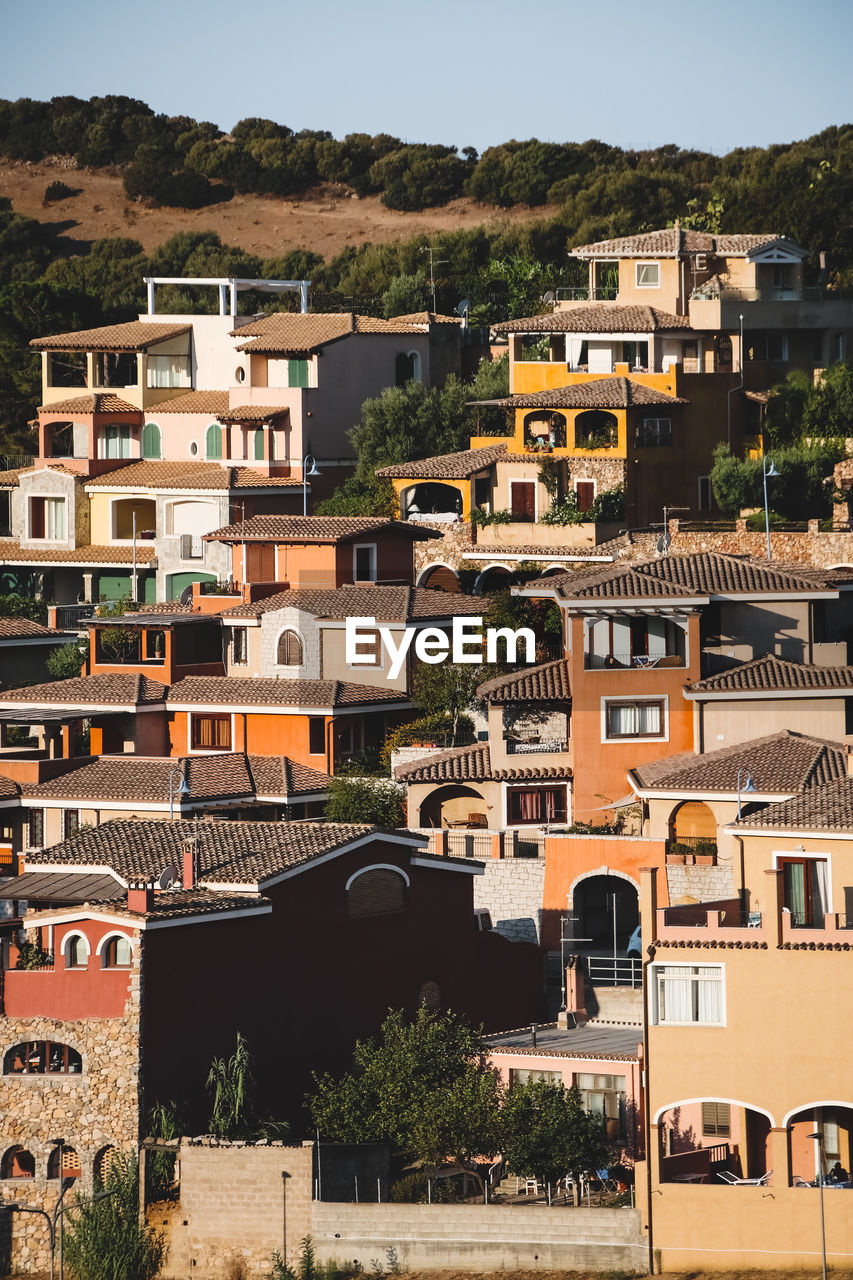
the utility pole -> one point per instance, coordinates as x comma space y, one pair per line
433, 263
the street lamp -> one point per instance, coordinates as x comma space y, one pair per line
67, 1183
818, 1138
309, 457
183, 789
748, 786
768, 475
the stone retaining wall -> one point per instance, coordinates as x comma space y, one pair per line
511, 890
705, 884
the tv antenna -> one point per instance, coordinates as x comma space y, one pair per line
433, 263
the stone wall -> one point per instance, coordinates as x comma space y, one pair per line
97, 1108
511, 889
240, 1203
481, 1237
703, 884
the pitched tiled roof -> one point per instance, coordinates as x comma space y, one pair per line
9, 479
472, 764
294, 333
238, 691
313, 528
228, 853
101, 690
140, 779
546, 683
100, 402
597, 317
186, 475
425, 318
449, 466
213, 402
24, 629
9, 790
822, 808
671, 242
772, 675
281, 776
601, 393
386, 604
254, 413
135, 335
781, 763
11, 552
691, 576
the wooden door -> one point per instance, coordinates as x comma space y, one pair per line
260, 562
523, 500
585, 490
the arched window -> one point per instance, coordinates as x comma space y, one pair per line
289, 649
596, 429
63, 1162
103, 1162
213, 442
407, 367
17, 1163
430, 996
151, 440
76, 952
378, 891
40, 1058
258, 445
116, 952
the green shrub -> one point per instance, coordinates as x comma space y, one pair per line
481, 517
57, 191
104, 1239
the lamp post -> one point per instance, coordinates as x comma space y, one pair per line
818, 1138
52, 1222
748, 786
306, 472
183, 790
768, 475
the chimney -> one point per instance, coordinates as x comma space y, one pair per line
140, 896
190, 867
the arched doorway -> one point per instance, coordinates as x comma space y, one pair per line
834, 1122
453, 804
439, 577
693, 829
498, 577
430, 498
709, 1136
600, 902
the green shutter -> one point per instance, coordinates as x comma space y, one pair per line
297, 375
259, 445
151, 440
213, 441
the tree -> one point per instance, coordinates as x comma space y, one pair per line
65, 661
548, 1134
447, 690
406, 294
104, 1239
423, 1086
798, 492
231, 1085
15, 606
377, 801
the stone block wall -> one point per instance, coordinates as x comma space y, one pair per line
240, 1203
704, 884
511, 889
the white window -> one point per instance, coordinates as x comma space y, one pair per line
637, 718
648, 275
115, 442
47, 518
690, 994
364, 563
239, 646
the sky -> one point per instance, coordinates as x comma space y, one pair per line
633, 73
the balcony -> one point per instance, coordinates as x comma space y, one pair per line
517, 747
192, 546
582, 293
692, 851
634, 661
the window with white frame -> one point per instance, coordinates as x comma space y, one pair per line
637, 718
529, 1075
364, 563
114, 442
47, 518
239, 646
690, 994
647, 275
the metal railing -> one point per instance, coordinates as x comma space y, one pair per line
229, 588
582, 293
811, 293
514, 748
479, 843
69, 616
623, 658
615, 971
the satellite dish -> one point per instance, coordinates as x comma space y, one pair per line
663, 543
550, 296
463, 307
187, 595
168, 876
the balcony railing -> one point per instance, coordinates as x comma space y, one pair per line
582, 293
515, 748
639, 661
811, 293
69, 616
192, 547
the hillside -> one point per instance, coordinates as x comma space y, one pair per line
325, 220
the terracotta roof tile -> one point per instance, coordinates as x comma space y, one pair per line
100, 402
24, 629
238, 691
386, 604
601, 393
212, 402
771, 674
597, 317
426, 318
254, 413
449, 466
210, 476
228, 853
548, 682
472, 764
822, 808
146, 779
134, 335
11, 552
9, 790
9, 479
671, 242
280, 776
100, 690
781, 763
314, 528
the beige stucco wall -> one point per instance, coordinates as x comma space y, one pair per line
723, 724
